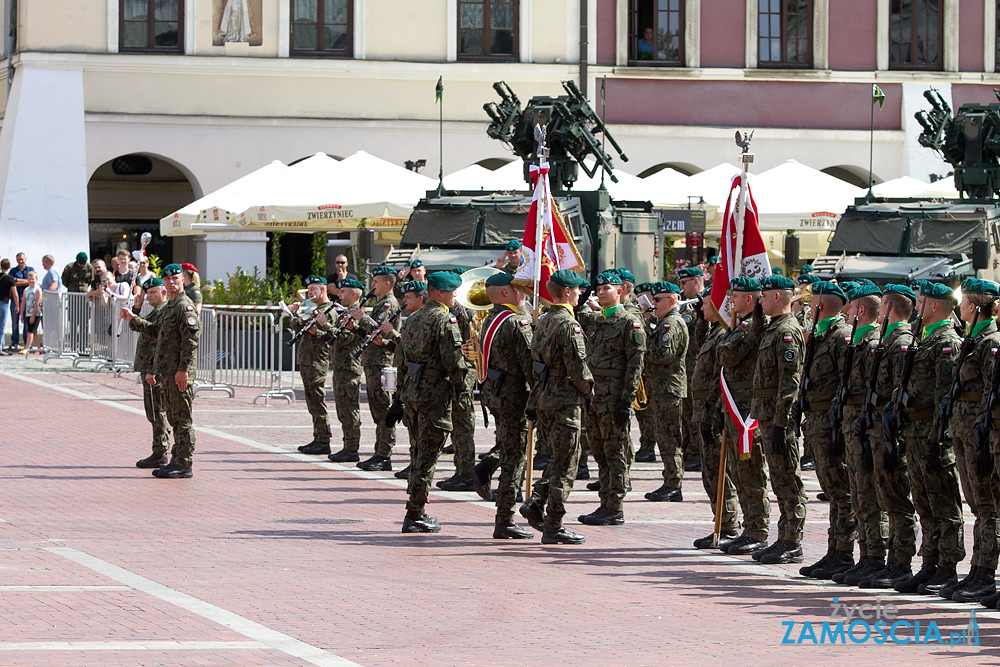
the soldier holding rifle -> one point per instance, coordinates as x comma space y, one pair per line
414, 297
313, 358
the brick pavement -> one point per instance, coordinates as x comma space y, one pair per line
269, 557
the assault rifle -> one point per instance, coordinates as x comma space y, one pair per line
866, 421
892, 418
947, 406
984, 423
799, 405
837, 407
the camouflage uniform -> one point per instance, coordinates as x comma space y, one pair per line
697, 330
431, 346
176, 345
707, 406
505, 392
776, 383
558, 343
667, 388
313, 358
738, 357
152, 395
374, 359
936, 495
463, 435
615, 348
391, 340
347, 385
193, 292
831, 466
76, 278
873, 523
893, 486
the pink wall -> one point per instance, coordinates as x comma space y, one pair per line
970, 27
723, 33
852, 35
810, 105
963, 94
604, 32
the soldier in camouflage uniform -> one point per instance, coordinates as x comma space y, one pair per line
987, 453
416, 271
192, 286
692, 283
463, 414
313, 358
79, 275
510, 258
933, 478
616, 343
820, 386
737, 354
145, 349
506, 342
708, 414
347, 376
374, 359
647, 426
667, 387
174, 368
431, 369
562, 384
775, 386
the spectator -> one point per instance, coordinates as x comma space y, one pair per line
340, 271
110, 288
50, 282
192, 285
78, 276
645, 46
31, 310
144, 273
122, 273
20, 274
97, 284
8, 296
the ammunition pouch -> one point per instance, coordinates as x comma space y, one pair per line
542, 371
415, 371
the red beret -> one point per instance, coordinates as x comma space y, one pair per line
189, 267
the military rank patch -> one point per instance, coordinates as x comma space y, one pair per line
789, 355
688, 319
734, 336
666, 337
946, 350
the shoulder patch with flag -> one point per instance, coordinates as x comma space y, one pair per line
787, 338
636, 325
946, 350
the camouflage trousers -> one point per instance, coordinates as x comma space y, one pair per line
346, 391
892, 487
938, 502
710, 451
786, 483
611, 451
873, 523
690, 449
750, 480
831, 471
178, 408
561, 428
314, 388
669, 434
647, 430
463, 437
512, 441
430, 423
378, 405
156, 415
981, 495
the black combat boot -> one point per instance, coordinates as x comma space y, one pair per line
376, 463
840, 561
665, 494
152, 461
806, 570
532, 511
420, 523
344, 456
561, 536
540, 462
603, 516
173, 471
594, 486
582, 471
481, 481
789, 552
456, 483
990, 601
839, 577
874, 565
888, 577
511, 531
726, 538
645, 456
974, 591
745, 545
315, 448
777, 545
909, 584
945, 575
946, 591
402, 474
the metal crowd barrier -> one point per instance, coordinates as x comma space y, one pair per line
248, 353
66, 325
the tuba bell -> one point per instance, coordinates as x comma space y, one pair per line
472, 294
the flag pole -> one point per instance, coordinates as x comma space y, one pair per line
871, 150
439, 98
541, 152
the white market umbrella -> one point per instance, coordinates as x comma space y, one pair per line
712, 184
669, 187
794, 196
907, 186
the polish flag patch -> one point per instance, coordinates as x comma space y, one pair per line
787, 338
744, 323
904, 348
636, 325
946, 350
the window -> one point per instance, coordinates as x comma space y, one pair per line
784, 36
322, 28
656, 32
487, 29
915, 34
151, 26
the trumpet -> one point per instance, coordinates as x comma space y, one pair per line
641, 400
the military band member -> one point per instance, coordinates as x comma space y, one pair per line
510, 258
374, 359
431, 368
667, 387
692, 283
647, 427
616, 343
463, 412
775, 386
563, 383
313, 358
415, 271
414, 298
145, 348
347, 376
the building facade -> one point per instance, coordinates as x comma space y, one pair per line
121, 111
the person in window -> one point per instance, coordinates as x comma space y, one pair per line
645, 45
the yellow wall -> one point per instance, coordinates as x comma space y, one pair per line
63, 25
406, 30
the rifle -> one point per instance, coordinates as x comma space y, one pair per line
892, 419
947, 407
866, 421
375, 334
347, 317
837, 407
981, 435
799, 405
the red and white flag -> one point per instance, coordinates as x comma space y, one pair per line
556, 250
745, 427
742, 251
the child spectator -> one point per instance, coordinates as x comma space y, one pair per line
31, 310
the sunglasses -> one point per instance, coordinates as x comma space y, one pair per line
341, 262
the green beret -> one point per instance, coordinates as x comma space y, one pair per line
608, 278
152, 282
171, 270
977, 286
314, 280
415, 263
690, 272
501, 279
714, 259
848, 285
413, 286
863, 281
626, 275
383, 270
937, 291
777, 271
900, 289
446, 281
864, 290
513, 244
458, 270
643, 287
807, 278
806, 269
350, 282
81, 258
744, 284
918, 285
567, 278
822, 287
776, 282
665, 287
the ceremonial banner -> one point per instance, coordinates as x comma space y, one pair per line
491, 333
745, 427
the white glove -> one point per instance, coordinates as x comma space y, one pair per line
138, 255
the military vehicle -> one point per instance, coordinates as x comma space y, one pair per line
902, 240
470, 229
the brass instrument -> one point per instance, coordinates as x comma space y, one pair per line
641, 400
472, 294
